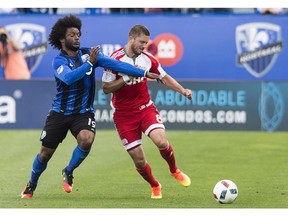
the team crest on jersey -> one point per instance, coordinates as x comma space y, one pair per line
85, 57
33, 41
258, 46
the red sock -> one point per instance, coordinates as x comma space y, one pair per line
146, 173
168, 155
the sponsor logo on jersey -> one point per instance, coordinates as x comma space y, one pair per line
89, 72
60, 69
258, 45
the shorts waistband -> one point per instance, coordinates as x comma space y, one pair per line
145, 105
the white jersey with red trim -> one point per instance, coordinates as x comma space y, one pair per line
134, 94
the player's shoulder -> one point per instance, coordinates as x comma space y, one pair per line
148, 54
149, 57
117, 54
60, 57
144, 52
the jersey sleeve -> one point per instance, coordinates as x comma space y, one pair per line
108, 76
63, 72
156, 66
115, 65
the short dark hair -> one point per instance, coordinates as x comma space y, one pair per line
137, 30
59, 29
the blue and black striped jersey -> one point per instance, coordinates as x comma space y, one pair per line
75, 80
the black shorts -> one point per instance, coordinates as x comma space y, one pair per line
57, 126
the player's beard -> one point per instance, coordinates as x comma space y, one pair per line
136, 51
71, 47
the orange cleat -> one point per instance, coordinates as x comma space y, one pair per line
182, 178
156, 192
67, 184
28, 191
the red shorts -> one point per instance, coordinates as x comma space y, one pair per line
131, 125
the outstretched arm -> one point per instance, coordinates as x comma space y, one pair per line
171, 83
65, 74
123, 67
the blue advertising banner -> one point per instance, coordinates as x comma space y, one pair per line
252, 106
25, 104
211, 47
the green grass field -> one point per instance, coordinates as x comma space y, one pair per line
255, 161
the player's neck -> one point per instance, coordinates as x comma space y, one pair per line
71, 53
129, 52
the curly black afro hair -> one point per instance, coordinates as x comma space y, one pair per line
60, 27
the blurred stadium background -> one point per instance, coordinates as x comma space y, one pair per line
236, 71
233, 59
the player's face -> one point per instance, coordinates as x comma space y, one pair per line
72, 39
139, 44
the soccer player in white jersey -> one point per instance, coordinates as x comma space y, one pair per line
135, 113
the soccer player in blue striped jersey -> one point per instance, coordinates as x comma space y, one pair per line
72, 108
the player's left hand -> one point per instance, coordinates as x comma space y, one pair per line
188, 94
94, 54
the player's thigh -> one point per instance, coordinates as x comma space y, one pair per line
158, 137
55, 129
129, 132
151, 120
80, 122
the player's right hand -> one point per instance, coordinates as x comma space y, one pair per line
188, 94
94, 54
152, 75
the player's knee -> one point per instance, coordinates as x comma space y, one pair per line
161, 143
140, 163
85, 144
85, 139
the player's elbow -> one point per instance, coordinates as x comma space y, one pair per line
67, 81
106, 90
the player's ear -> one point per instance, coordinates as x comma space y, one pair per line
131, 37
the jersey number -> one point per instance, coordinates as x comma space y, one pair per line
91, 123
158, 118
